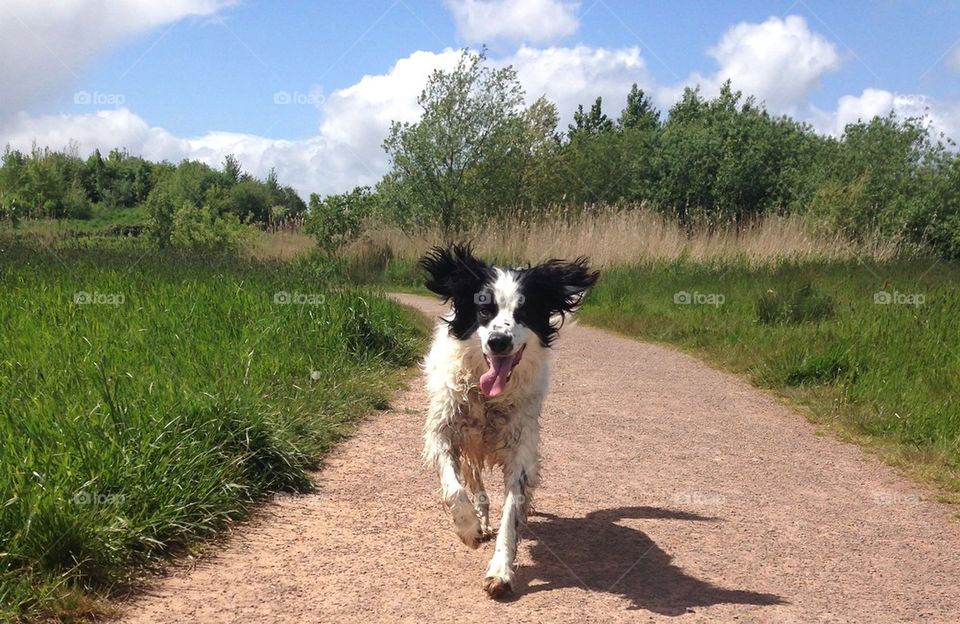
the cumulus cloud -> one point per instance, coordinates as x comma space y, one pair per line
346, 151
47, 45
943, 116
572, 76
532, 21
780, 61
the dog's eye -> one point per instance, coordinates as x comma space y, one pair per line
484, 313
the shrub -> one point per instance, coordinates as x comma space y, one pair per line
337, 220
199, 228
76, 205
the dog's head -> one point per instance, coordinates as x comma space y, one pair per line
505, 309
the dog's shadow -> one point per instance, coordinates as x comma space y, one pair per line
597, 553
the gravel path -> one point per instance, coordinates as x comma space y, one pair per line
670, 491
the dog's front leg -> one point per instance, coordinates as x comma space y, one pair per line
521, 475
440, 451
474, 481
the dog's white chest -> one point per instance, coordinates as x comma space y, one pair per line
485, 432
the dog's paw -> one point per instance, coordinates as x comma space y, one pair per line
497, 587
470, 534
466, 520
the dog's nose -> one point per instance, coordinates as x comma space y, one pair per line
499, 343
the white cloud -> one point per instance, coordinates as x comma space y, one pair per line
532, 21
780, 61
572, 76
942, 115
347, 150
47, 45
345, 153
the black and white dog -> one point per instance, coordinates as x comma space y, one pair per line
487, 373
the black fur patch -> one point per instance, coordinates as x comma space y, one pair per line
459, 277
551, 291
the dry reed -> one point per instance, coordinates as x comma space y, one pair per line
634, 236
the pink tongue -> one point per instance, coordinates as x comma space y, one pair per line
494, 380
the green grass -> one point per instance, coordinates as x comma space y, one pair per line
819, 334
148, 399
101, 223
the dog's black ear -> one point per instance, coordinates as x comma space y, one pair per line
559, 284
454, 272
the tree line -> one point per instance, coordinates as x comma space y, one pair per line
478, 152
189, 204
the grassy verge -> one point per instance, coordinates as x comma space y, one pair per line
148, 399
872, 351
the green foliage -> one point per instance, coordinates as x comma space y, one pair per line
887, 177
200, 228
640, 113
75, 204
801, 305
591, 123
723, 161
186, 205
148, 400
337, 220
476, 155
469, 152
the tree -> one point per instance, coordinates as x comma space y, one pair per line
469, 117
640, 113
539, 180
94, 176
12, 174
231, 169
589, 124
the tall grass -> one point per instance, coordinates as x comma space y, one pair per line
281, 244
148, 399
619, 236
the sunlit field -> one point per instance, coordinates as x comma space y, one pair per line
147, 399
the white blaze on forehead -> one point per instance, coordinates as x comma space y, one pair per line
506, 292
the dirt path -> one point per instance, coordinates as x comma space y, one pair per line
670, 489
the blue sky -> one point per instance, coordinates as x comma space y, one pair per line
282, 83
